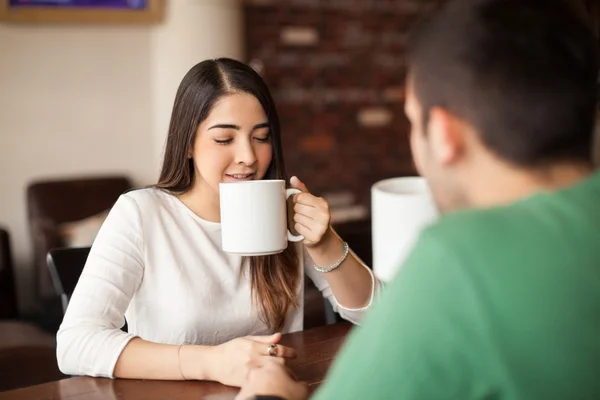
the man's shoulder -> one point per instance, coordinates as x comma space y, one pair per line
490, 235
473, 225
543, 229
546, 216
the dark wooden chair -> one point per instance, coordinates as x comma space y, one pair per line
8, 295
27, 354
51, 203
65, 266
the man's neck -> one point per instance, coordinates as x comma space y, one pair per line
501, 184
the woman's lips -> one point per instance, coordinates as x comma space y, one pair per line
241, 177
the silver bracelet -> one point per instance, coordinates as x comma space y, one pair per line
335, 264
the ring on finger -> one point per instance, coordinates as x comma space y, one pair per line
272, 350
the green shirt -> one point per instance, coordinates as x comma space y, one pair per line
502, 303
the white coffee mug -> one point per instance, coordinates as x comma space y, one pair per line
254, 217
400, 209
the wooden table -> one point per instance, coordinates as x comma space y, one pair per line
316, 349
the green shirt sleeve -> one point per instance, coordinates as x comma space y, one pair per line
417, 341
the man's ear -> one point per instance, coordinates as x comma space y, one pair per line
445, 135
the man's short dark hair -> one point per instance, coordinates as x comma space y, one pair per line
522, 72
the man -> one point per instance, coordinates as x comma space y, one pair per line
500, 299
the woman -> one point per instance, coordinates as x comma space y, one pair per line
193, 311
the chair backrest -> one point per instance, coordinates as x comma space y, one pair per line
65, 265
51, 203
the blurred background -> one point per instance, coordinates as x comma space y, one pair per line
85, 101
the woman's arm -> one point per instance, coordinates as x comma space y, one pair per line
90, 340
141, 359
352, 283
228, 363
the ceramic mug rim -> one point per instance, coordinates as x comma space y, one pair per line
253, 182
413, 186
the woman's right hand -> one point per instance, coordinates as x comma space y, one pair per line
230, 362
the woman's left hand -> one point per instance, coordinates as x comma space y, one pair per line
312, 216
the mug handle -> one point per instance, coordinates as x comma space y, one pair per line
290, 236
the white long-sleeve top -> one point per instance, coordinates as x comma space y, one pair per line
160, 266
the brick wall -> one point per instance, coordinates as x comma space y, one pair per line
336, 69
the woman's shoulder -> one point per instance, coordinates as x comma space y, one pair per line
145, 207
148, 199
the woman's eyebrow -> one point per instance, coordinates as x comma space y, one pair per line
225, 126
259, 126
236, 127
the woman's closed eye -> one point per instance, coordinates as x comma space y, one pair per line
263, 138
223, 141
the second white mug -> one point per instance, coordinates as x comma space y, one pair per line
401, 209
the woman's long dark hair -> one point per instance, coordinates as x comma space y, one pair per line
275, 278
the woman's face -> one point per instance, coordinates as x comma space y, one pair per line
232, 144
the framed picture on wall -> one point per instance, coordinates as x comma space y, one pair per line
82, 11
